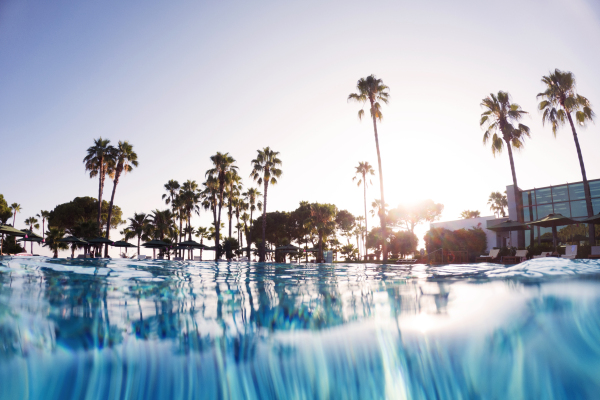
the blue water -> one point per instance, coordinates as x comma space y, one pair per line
124, 329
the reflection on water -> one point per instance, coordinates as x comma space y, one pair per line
134, 329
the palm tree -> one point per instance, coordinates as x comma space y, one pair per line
43, 215
138, 224
322, 219
210, 195
172, 187
373, 90
31, 222
245, 217
125, 159
52, 236
498, 203
501, 119
265, 170
16, 208
190, 197
240, 206
469, 214
559, 101
162, 223
376, 208
201, 233
99, 162
364, 169
233, 188
223, 165
252, 196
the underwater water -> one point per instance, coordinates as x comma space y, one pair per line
124, 329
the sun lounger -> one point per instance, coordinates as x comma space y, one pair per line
570, 252
595, 252
490, 257
197, 258
543, 254
520, 256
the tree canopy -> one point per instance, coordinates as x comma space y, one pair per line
68, 215
5, 211
409, 216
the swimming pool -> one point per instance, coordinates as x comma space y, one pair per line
173, 330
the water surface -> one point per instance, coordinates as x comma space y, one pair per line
202, 330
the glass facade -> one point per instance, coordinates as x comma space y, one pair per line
568, 200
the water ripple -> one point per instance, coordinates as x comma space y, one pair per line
158, 329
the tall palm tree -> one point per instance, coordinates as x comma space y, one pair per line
16, 208
233, 188
240, 207
99, 162
172, 188
190, 198
265, 170
245, 217
43, 215
252, 197
223, 165
374, 91
138, 224
501, 121
364, 169
210, 195
559, 101
125, 159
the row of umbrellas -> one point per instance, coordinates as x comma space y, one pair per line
550, 221
29, 236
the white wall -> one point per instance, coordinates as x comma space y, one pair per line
472, 223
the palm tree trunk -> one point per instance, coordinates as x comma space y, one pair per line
100, 190
520, 234
230, 215
264, 224
249, 236
586, 187
110, 207
365, 198
218, 228
382, 213
180, 231
139, 238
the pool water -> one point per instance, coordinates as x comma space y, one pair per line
124, 329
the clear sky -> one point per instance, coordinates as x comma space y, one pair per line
183, 80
